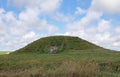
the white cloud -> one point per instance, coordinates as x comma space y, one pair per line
90, 17
29, 13
2, 24
52, 29
80, 11
29, 19
108, 6
98, 33
43, 5
117, 30
17, 31
29, 35
48, 5
94, 28
62, 17
2, 29
1, 11
104, 25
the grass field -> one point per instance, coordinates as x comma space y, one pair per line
3, 52
72, 63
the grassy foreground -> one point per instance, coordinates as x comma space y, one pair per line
73, 63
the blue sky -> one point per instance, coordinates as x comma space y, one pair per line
23, 21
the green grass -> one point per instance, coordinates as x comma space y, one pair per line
3, 52
75, 57
71, 63
44, 45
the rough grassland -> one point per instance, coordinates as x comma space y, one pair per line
75, 57
3, 52
72, 63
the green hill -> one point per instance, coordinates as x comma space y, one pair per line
61, 42
79, 58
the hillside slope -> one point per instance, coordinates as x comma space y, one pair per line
61, 42
79, 58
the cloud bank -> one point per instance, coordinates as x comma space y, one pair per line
38, 18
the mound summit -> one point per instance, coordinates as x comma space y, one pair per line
57, 44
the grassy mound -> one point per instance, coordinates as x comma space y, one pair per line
44, 45
78, 59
